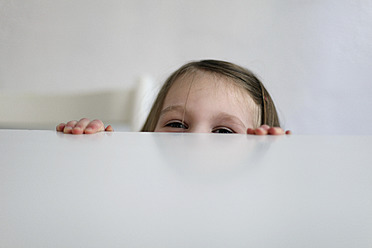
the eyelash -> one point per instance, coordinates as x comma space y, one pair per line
224, 129
179, 124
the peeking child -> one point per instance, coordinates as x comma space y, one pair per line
207, 96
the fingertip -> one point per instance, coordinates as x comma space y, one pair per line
250, 131
67, 130
261, 131
77, 130
109, 128
88, 130
94, 127
271, 131
276, 131
59, 127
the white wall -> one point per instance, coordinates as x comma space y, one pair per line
314, 56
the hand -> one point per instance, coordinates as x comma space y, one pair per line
83, 126
266, 130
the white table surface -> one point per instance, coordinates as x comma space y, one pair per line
184, 190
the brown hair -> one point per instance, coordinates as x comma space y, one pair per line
241, 76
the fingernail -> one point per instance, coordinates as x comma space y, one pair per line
89, 129
67, 129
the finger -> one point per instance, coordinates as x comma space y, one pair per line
109, 128
261, 131
60, 127
80, 126
94, 127
276, 131
251, 131
265, 127
69, 126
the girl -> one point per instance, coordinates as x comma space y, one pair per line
207, 96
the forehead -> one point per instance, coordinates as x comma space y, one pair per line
207, 85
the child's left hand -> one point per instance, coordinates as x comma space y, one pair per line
266, 130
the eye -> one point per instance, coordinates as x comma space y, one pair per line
222, 130
176, 124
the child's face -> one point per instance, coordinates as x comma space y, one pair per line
207, 103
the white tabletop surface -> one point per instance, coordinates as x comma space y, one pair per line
184, 190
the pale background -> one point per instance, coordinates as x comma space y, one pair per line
314, 56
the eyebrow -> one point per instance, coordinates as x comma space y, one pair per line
223, 116
176, 108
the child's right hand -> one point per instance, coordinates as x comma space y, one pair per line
84, 126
